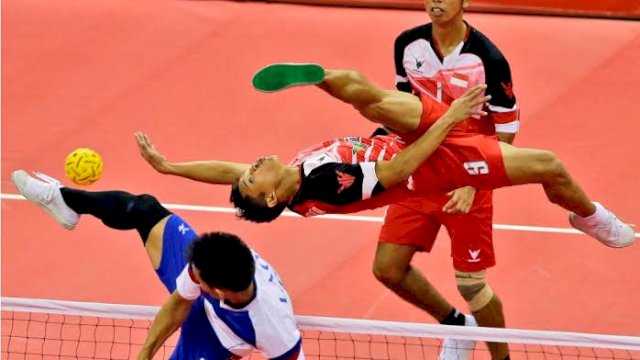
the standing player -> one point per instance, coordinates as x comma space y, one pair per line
225, 305
442, 60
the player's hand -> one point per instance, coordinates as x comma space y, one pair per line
460, 200
468, 104
151, 154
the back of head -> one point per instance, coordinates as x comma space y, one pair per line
223, 260
255, 210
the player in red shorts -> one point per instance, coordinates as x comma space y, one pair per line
441, 159
442, 59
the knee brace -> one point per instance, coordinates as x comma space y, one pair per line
474, 288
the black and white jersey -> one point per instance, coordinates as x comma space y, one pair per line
421, 68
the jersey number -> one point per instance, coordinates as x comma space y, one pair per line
476, 167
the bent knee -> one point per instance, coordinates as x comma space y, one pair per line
474, 289
389, 273
553, 164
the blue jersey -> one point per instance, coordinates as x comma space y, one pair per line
216, 331
267, 323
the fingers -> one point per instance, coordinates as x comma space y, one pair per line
453, 205
457, 204
143, 140
475, 91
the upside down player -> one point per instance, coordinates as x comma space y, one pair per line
226, 299
442, 59
321, 181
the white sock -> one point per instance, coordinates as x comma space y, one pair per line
600, 213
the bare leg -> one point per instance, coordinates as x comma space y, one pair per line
491, 315
528, 166
392, 267
154, 243
395, 110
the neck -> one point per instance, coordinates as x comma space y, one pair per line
289, 185
242, 298
449, 34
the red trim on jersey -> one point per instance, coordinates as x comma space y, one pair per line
504, 117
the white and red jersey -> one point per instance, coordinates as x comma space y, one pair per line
338, 176
421, 68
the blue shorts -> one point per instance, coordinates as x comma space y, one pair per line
197, 338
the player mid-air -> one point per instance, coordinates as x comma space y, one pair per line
352, 174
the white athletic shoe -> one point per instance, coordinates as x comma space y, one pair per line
456, 349
44, 191
607, 229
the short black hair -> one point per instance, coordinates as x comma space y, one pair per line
251, 209
224, 261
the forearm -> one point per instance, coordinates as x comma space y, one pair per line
169, 319
408, 160
212, 172
506, 137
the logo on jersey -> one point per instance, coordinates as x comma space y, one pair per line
508, 89
419, 64
358, 146
345, 180
183, 229
474, 256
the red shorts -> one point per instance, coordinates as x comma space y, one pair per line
462, 159
416, 222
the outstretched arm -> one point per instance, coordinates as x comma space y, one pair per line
399, 169
169, 319
211, 171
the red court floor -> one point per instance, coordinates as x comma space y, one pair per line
90, 73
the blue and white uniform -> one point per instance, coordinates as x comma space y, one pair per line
217, 331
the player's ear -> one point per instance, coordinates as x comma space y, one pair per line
271, 199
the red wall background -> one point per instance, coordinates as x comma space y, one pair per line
624, 9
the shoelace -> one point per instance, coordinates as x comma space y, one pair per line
610, 228
49, 190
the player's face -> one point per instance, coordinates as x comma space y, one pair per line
262, 178
442, 11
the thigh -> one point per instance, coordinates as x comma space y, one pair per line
525, 166
176, 239
408, 226
396, 110
471, 238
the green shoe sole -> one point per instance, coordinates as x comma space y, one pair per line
276, 77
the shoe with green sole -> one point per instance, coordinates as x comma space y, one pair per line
276, 77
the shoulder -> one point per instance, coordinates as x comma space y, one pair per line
419, 32
480, 44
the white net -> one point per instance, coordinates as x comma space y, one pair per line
51, 329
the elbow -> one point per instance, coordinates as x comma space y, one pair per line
391, 176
